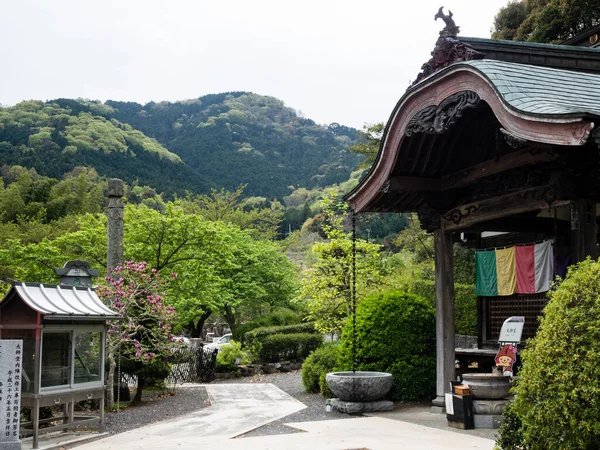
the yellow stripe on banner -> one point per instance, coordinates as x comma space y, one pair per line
506, 271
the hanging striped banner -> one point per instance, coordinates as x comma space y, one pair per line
523, 269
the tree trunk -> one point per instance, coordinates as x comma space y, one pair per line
110, 382
197, 329
230, 318
138, 393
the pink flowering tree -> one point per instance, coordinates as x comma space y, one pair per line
144, 337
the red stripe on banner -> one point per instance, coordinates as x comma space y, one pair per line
525, 259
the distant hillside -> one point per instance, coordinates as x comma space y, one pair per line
239, 137
55, 139
220, 140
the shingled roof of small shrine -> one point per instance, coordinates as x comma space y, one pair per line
63, 301
538, 91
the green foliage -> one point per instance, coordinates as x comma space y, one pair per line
327, 284
255, 338
545, 20
370, 146
232, 355
318, 363
256, 215
283, 347
153, 373
510, 433
395, 333
279, 317
57, 136
558, 395
239, 137
465, 303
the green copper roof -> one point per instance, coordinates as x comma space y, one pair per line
541, 90
532, 45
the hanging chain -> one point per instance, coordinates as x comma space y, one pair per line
353, 292
118, 380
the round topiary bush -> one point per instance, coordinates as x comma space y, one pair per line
317, 365
558, 394
395, 333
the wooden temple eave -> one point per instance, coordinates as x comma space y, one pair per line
532, 131
469, 175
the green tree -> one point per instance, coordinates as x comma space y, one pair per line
369, 148
327, 284
545, 20
252, 214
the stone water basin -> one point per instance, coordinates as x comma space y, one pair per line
359, 386
487, 385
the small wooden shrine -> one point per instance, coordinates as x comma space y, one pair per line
495, 144
63, 333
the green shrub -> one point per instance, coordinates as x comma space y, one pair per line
395, 333
281, 347
318, 363
279, 317
324, 387
231, 355
255, 337
558, 395
465, 303
510, 433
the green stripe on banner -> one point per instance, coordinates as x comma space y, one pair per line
485, 274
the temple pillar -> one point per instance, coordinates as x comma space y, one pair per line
583, 230
444, 313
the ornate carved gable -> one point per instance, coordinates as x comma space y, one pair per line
448, 50
437, 119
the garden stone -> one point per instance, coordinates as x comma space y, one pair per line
487, 420
494, 407
487, 386
359, 386
268, 368
360, 407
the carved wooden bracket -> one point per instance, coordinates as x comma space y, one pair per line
447, 51
503, 206
429, 218
438, 119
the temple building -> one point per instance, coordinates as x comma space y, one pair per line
495, 144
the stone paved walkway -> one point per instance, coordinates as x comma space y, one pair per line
238, 408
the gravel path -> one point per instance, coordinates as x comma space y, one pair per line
291, 383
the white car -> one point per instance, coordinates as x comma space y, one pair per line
217, 345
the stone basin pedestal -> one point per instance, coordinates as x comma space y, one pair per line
360, 391
490, 392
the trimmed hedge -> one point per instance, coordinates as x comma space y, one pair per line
279, 317
259, 334
317, 365
557, 398
395, 333
465, 303
281, 347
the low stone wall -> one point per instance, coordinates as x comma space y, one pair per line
260, 368
465, 341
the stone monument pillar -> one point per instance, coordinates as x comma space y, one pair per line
11, 353
115, 224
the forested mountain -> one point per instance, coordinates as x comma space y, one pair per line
216, 141
239, 137
54, 139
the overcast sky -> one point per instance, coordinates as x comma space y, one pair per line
335, 61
